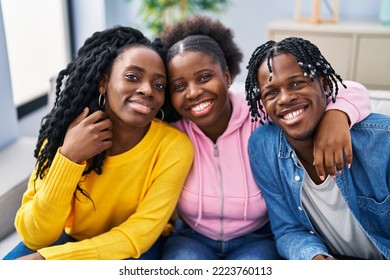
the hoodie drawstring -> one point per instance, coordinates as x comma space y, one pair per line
200, 175
245, 181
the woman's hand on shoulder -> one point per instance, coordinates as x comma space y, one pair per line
332, 141
87, 136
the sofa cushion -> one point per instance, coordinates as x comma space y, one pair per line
16, 164
380, 101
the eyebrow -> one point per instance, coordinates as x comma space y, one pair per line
196, 73
296, 76
289, 79
176, 79
202, 70
156, 75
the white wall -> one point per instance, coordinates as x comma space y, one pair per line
37, 46
8, 121
88, 16
248, 18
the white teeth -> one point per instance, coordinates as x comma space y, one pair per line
292, 115
201, 106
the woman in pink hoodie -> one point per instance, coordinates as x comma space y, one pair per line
221, 211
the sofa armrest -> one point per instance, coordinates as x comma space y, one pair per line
16, 164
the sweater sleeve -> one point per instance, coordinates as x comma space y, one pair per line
46, 203
138, 233
353, 100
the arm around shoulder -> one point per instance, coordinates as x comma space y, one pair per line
353, 100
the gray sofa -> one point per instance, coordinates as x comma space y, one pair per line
380, 101
17, 163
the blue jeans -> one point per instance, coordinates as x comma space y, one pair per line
154, 253
187, 244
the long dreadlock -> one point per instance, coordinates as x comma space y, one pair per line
77, 88
309, 58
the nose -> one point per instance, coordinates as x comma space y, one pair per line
193, 91
145, 89
286, 96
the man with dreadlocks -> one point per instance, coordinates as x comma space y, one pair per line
345, 216
108, 173
222, 213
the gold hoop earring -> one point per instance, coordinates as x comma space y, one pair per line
102, 101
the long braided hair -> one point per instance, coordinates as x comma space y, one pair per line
77, 88
205, 35
309, 58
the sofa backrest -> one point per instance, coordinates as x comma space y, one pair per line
380, 101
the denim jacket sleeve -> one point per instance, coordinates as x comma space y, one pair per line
353, 100
280, 184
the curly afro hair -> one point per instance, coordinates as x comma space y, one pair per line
209, 28
205, 35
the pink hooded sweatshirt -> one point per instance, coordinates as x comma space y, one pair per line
220, 199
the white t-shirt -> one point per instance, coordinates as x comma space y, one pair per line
333, 219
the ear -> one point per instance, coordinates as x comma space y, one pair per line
103, 84
228, 77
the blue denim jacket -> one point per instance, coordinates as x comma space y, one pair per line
365, 187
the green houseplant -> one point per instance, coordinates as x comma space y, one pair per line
157, 14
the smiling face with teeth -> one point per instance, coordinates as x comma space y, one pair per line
198, 88
292, 101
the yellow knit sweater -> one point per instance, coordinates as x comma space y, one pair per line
132, 200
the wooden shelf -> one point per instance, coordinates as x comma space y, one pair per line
357, 50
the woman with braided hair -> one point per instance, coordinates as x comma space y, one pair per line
221, 211
108, 173
342, 216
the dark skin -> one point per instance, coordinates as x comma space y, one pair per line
206, 81
328, 151
297, 105
134, 92
200, 93
325, 156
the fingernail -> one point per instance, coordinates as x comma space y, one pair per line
349, 165
334, 176
322, 178
339, 172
